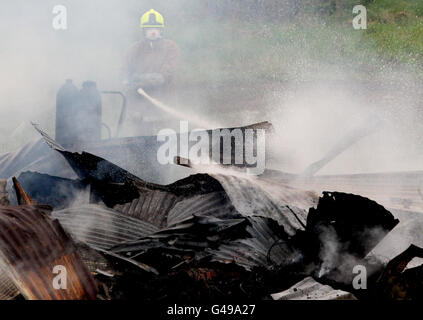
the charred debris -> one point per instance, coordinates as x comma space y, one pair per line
208, 236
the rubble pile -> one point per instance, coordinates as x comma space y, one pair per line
207, 236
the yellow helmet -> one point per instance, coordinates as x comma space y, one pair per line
152, 19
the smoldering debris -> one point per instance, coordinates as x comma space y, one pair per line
396, 283
220, 235
310, 289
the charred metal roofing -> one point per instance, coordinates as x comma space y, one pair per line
32, 244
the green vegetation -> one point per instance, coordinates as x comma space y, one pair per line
319, 36
397, 29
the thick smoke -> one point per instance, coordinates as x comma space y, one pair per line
312, 101
35, 59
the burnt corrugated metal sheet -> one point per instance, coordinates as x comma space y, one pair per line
138, 154
12, 162
248, 195
244, 241
192, 235
31, 245
262, 213
59, 193
8, 290
101, 227
216, 204
350, 219
254, 250
93, 259
399, 283
34, 156
408, 231
310, 289
150, 202
209, 205
152, 206
254, 197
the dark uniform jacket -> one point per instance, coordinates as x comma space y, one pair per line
146, 56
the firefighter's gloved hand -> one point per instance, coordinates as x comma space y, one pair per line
157, 79
153, 79
149, 80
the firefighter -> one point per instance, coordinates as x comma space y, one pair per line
151, 62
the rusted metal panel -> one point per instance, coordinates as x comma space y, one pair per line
8, 290
4, 195
22, 197
101, 227
31, 245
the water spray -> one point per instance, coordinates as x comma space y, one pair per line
178, 114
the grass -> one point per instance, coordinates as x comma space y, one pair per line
216, 52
